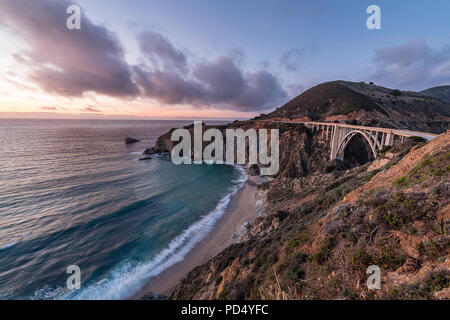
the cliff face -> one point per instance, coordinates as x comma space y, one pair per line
326, 221
301, 152
295, 145
164, 143
323, 230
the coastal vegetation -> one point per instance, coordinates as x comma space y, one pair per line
321, 248
324, 222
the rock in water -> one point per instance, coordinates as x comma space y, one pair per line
129, 140
254, 170
145, 158
150, 151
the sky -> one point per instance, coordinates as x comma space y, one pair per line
205, 59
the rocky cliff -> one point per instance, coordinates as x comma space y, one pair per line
322, 231
301, 152
326, 221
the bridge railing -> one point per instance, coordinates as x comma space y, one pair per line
398, 132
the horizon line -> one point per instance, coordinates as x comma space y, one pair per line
59, 116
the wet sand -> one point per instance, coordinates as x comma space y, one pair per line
240, 210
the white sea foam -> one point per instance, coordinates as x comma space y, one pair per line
13, 243
129, 278
8, 245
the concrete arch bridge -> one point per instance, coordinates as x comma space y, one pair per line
339, 136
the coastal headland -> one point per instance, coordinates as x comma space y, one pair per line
326, 221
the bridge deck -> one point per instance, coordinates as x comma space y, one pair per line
398, 132
377, 138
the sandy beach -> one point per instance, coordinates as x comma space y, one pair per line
240, 210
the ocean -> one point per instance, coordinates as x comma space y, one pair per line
73, 193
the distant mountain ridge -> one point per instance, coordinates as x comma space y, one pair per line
441, 93
366, 104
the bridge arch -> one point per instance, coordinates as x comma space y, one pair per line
373, 143
340, 135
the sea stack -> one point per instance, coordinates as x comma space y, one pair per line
129, 140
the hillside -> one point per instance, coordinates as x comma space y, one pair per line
367, 104
324, 222
321, 231
441, 93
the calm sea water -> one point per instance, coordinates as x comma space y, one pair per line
73, 193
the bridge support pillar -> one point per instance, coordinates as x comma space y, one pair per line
389, 139
341, 134
334, 141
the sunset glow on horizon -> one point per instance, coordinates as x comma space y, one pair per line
143, 59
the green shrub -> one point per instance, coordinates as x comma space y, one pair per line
385, 149
401, 182
292, 243
219, 279
393, 219
437, 281
429, 249
294, 270
325, 250
360, 258
390, 258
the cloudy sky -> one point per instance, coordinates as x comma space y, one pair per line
202, 59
